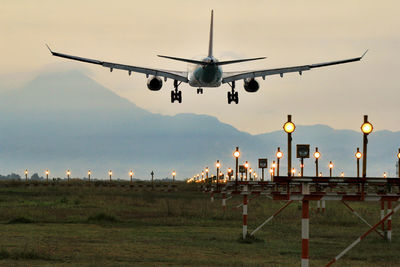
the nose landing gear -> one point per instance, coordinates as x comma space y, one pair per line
233, 96
176, 94
199, 90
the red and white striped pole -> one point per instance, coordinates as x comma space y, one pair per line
358, 240
223, 202
389, 222
245, 212
383, 214
305, 223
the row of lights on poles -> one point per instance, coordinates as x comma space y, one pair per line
289, 127
110, 173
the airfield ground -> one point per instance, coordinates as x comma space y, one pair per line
112, 226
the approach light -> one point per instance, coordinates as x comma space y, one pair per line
47, 172
279, 154
358, 155
342, 174
289, 127
273, 165
331, 165
207, 170
229, 170
384, 174
218, 164
246, 165
317, 155
366, 127
68, 172
398, 155
131, 173
236, 154
26, 172
110, 172
293, 171
89, 172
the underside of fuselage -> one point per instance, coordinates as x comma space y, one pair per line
206, 76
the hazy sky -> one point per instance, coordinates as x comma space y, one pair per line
287, 32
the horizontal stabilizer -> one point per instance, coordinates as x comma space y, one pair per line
239, 60
185, 60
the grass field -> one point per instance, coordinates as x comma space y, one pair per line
113, 226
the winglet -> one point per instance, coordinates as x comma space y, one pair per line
49, 49
364, 54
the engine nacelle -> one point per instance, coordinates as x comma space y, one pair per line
154, 83
251, 85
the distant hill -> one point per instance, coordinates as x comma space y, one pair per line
66, 120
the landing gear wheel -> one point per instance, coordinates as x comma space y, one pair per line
176, 95
199, 90
233, 96
229, 97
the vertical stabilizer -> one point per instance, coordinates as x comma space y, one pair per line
210, 45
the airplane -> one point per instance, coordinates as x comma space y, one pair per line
206, 72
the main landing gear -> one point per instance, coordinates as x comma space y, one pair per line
233, 96
176, 95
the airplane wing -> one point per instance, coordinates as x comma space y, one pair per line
176, 75
234, 76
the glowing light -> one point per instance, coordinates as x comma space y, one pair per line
236, 154
246, 165
317, 154
207, 170
131, 173
26, 172
174, 173
89, 172
68, 172
110, 173
398, 155
289, 127
358, 155
384, 175
331, 165
293, 171
366, 128
273, 165
271, 170
279, 154
342, 174
218, 164
47, 172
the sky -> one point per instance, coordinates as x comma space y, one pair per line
288, 33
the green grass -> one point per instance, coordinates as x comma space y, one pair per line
82, 225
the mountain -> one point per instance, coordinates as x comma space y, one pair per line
66, 120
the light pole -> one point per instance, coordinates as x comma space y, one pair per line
289, 128
131, 175
273, 165
202, 176
317, 155
330, 169
236, 154
279, 155
250, 172
366, 128
293, 171
88, 174
207, 170
358, 157
174, 174
110, 174
47, 176
68, 174
217, 165
271, 171
229, 173
398, 164
246, 166
26, 175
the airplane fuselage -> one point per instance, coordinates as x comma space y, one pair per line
209, 75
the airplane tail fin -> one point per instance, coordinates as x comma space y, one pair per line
210, 44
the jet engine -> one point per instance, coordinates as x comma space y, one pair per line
154, 83
251, 85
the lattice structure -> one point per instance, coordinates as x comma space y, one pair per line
306, 189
